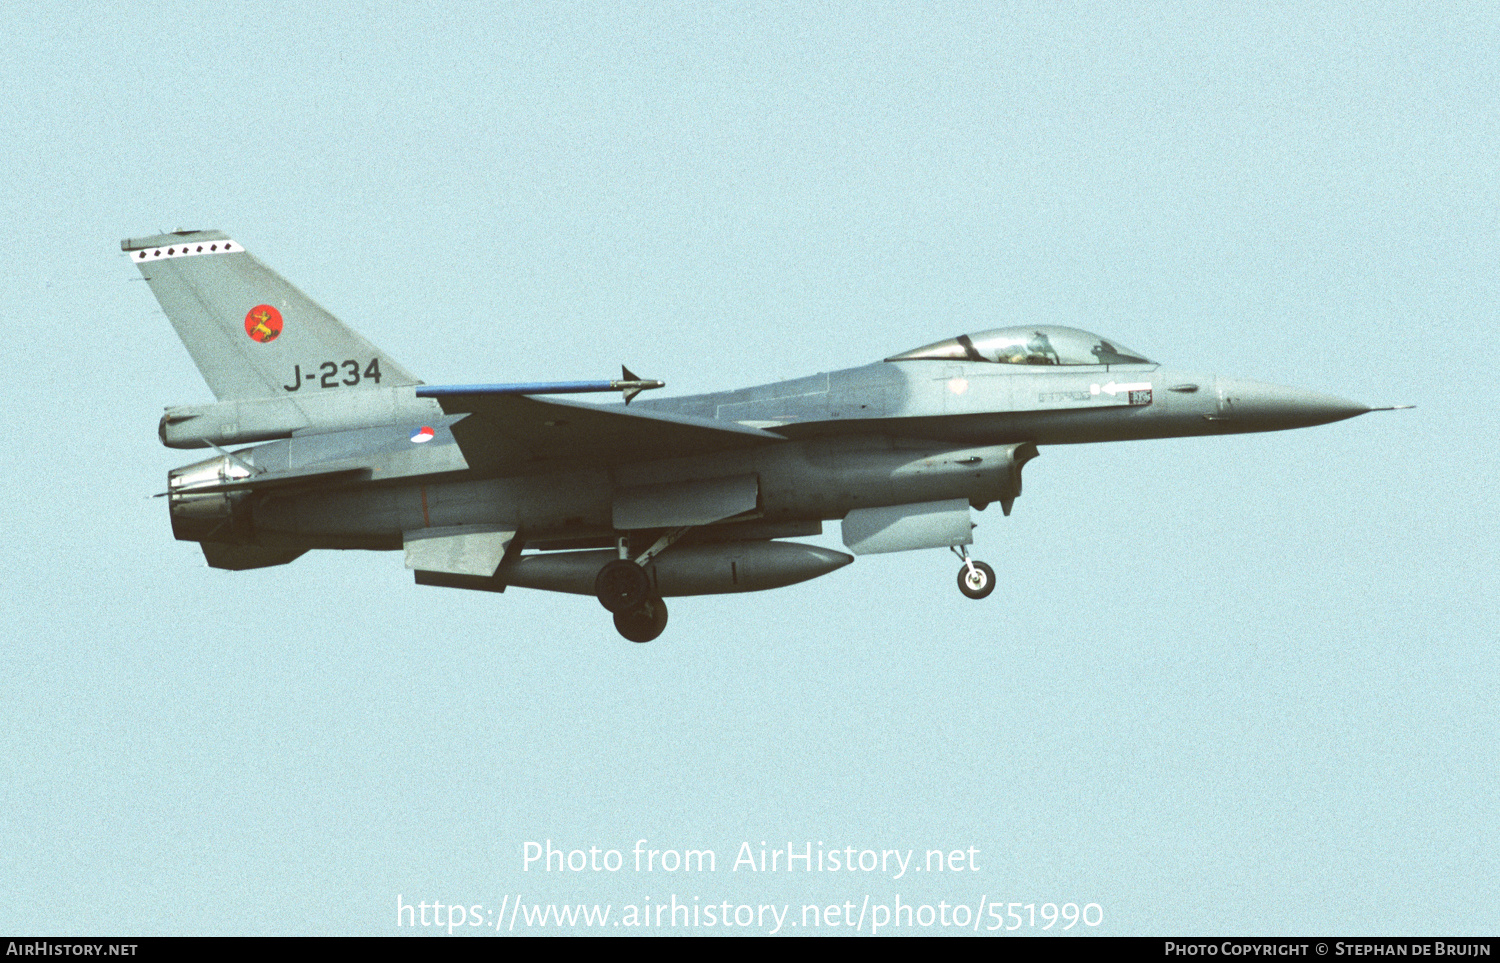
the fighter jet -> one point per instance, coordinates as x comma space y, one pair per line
494, 486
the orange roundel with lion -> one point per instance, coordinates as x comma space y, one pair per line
263, 323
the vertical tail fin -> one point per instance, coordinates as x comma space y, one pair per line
250, 332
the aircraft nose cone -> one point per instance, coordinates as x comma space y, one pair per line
1268, 407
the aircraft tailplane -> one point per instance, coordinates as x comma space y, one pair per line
251, 333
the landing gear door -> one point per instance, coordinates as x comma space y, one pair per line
903, 528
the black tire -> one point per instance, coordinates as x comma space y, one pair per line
621, 585
979, 584
644, 622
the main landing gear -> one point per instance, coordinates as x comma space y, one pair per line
644, 622
624, 588
975, 579
622, 585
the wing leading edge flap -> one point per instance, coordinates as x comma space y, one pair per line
581, 433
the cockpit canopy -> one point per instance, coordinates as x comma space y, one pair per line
1026, 345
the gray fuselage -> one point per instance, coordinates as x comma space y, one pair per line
889, 433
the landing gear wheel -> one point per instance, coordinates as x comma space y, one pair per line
622, 585
978, 583
644, 622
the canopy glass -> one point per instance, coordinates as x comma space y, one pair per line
1049, 345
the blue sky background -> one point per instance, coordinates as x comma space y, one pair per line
1236, 685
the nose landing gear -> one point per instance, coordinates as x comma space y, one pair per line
975, 579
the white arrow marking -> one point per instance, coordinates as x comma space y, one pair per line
1113, 389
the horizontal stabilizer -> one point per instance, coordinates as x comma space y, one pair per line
473, 550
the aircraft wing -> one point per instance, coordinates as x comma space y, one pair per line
581, 434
